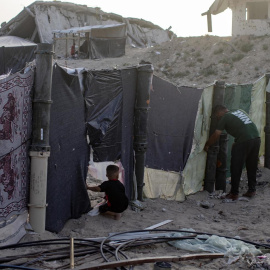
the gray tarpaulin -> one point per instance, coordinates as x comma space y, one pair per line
171, 125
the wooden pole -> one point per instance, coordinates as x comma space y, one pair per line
66, 45
71, 253
79, 44
138, 261
209, 22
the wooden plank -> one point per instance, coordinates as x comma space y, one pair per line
158, 224
64, 38
154, 259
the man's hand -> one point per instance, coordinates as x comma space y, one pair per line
213, 138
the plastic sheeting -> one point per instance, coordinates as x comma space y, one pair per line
109, 100
215, 244
67, 196
103, 99
15, 52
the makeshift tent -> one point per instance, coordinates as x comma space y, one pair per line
100, 41
102, 102
15, 52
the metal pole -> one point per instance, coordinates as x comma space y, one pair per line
66, 45
267, 133
40, 149
144, 82
212, 154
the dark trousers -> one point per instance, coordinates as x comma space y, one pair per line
245, 153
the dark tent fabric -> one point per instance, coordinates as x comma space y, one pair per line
15, 52
171, 123
103, 99
106, 48
129, 82
67, 169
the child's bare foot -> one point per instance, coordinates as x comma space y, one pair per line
117, 216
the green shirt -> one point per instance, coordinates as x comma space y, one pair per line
238, 124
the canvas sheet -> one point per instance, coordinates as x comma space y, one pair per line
194, 170
15, 132
258, 109
163, 184
173, 185
170, 127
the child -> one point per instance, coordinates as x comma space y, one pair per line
117, 201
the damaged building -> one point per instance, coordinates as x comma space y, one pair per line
42, 22
249, 17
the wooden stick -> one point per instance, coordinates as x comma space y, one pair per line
159, 224
137, 261
72, 253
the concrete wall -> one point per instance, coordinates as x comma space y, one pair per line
242, 26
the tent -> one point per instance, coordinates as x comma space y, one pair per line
100, 41
15, 52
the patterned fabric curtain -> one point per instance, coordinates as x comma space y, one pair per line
15, 132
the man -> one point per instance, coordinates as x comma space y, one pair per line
245, 150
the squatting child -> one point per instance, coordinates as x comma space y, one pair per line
117, 201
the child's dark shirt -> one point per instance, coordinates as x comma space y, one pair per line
115, 193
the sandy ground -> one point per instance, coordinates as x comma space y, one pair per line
195, 61
248, 220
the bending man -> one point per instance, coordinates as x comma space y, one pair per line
245, 150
